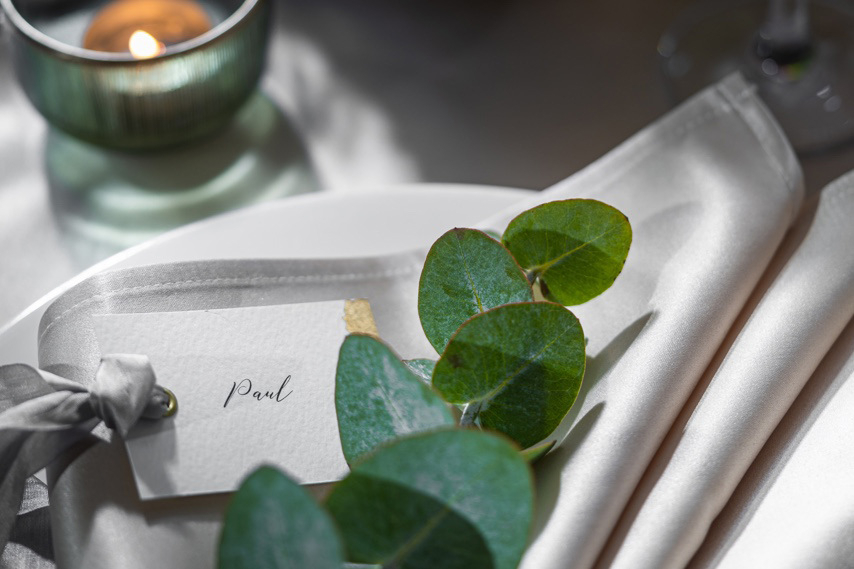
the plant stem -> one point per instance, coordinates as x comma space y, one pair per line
470, 414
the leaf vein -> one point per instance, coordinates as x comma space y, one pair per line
468, 275
505, 382
549, 264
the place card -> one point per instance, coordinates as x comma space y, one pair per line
254, 386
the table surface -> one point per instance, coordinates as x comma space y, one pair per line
515, 93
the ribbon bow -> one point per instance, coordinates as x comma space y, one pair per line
42, 414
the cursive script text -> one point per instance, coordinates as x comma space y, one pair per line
244, 388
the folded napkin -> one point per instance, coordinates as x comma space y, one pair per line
794, 325
710, 190
793, 508
803, 518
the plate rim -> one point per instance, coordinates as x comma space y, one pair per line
202, 225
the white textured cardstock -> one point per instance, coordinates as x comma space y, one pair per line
254, 386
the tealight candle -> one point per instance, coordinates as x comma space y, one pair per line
145, 27
138, 74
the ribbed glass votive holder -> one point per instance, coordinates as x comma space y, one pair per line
114, 99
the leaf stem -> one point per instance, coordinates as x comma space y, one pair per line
470, 414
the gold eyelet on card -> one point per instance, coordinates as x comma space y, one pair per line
172, 406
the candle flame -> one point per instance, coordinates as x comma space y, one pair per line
143, 45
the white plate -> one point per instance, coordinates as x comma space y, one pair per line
325, 225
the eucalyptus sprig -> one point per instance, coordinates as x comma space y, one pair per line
439, 477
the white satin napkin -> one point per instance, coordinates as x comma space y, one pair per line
794, 507
794, 325
710, 190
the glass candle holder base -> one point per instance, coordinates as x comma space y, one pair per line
106, 200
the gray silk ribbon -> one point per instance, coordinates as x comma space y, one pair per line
42, 414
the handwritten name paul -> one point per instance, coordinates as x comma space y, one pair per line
244, 388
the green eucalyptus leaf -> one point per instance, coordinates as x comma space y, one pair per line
273, 523
466, 272
423, 368
536, 452
455, 499
517, 367
575, 247
377, 398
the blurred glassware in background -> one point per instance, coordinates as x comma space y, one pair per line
800, 54
106, 200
